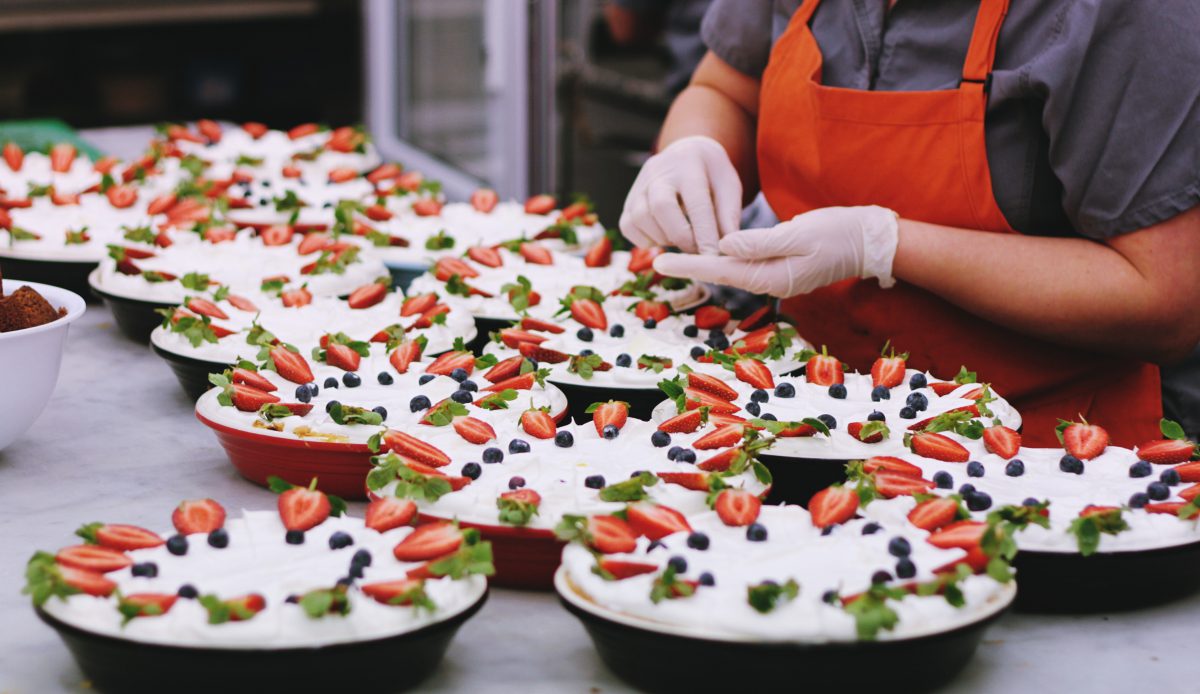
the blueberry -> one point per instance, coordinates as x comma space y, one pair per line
769, 417
827, 530
459, 374
687, 455
871, 528
419, 403
650, 324
564, 439
385, 378
425, 378
678, 563
760, 395
294, 537
472, 471
880, 393
1140, 469
218, 538
638, 473
1139, 500
905, 568
899, 547
691, 330
187, 591
660, 438
610, 431
381, 411
351, 379
716, 332
706, 579
461, 396
754, 408
917, 381
624, 360
877, 416
516, 482
293, 599
917, 401
673, 452
302, 394
356, 571
975, 469
339, 540
1015, 468
1169, 478
698, 352
617, 331
345, 581
718, 341
1071, 464
828, 420
1030, 501
698, 541
966, 489
756, 532
469, 386
655, 545
785, 390
329, 405
331, 382
1158, 491
361, 558
517, 446
829, 597
594, 481
943, 480
907, 412
837, 391
147, 569
585, 333
177, 545
979, 501
880, 577
314, 389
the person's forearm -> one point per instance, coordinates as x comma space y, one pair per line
1070, 291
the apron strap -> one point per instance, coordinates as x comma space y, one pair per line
982, 52
805, 12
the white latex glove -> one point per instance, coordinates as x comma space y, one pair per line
810, 251
687, 196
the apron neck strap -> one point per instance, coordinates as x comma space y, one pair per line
982, 52
805, 12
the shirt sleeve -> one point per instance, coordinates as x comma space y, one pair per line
740, 33
1122, 111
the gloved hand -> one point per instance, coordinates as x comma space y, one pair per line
687, 196
810, 251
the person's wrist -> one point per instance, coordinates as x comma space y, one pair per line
881, 236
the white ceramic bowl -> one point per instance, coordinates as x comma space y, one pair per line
29, 361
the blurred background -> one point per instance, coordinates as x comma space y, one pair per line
525, 96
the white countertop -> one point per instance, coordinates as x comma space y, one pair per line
100, 470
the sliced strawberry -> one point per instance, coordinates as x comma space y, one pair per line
93, 558
890, 464
695, 399
933, 513
888, 371
383, 172
1189, 472
722, 437
367, 295
723, 418
824, 370
410, 181
205, 307
600, 254
64, 199
1190, 493
737, 507
536, 254
964, 534
121, 196
388, 512
291, 365
148, 604
684, 423
244, 607
398, 592
198, 516
447, 267
832, 506
647, 309
696, 481
613, 412
620, 570
303, 130
312, 243
513, 337
754, 372
429, 542
542, 354
425, 320
342, 174
1002, 441
219, 234
525, 381
474, 430
721, 461
610, 535
1171, 508
504, 369
446, 363
126, 538
87, 582
298, 408
711, 385
756, 342
413, 447
540, 204
485, 255
295, 298
427, 207
538, 424
1167, 451
641, 259
939, 447
62, 156
757, 318
342, 357
891, 484
484, 200
589, 313
655, 521
709, 317
303, 508
248, 399
241, 303
181, 132
161, 204
420, 303
405, 354
210, 129
943, 388
1084, 441
13, 155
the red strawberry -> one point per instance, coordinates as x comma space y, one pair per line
1002, 441
484, 200
721, 461
303, 130
367, 295
427, 207
711, 385
209, 129
445, 268
620, 570
540, 204
600, 254
933, 513
613, 412
447, 362
405, 354
513, 337
148, 604
589, 313
756, 319
13, 155
343, 357
755, 342
485, 255
723, 418
890, 464
891, 484
410, 181
291, 365
938, 447
695, 399
531, 323
538, 424
205, 307
709, 317
474, 430
425, 320
1190, 493
684, 423
647, 309
249, 399
1167, 451
1084, 441
87, 582
832, 506
388, 512
943, 388
303, 508
888, 371
696, 481
420, 303
525, 381
312, 243
62, 156
542, 354
610, 535
1171, 508
219, 234
412, 447
255, 130
754, 372
277, 235
181, 132
289, 171
398, 592
723, 437
378, 213
248, 605
341, 175
1189, 472
121, 196
383, 172
198, 516
655, 521
532, 297
504, 369
429, 542
536, 254
63, 199
161, 204
93, 558
824, 370
126, 537
965, 534
295, 298
641, 259
737, 507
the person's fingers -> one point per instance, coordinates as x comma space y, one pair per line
632, 229
698, 204
784, 239
700, 268
669, 218
726, 187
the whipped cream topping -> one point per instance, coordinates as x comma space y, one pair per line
318, 196
276, 149
36, 170
257, 560
396, 398
811, 400
241, 264
303, 326
95, 215
558, 473
842, 561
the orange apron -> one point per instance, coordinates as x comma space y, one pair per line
923, 154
